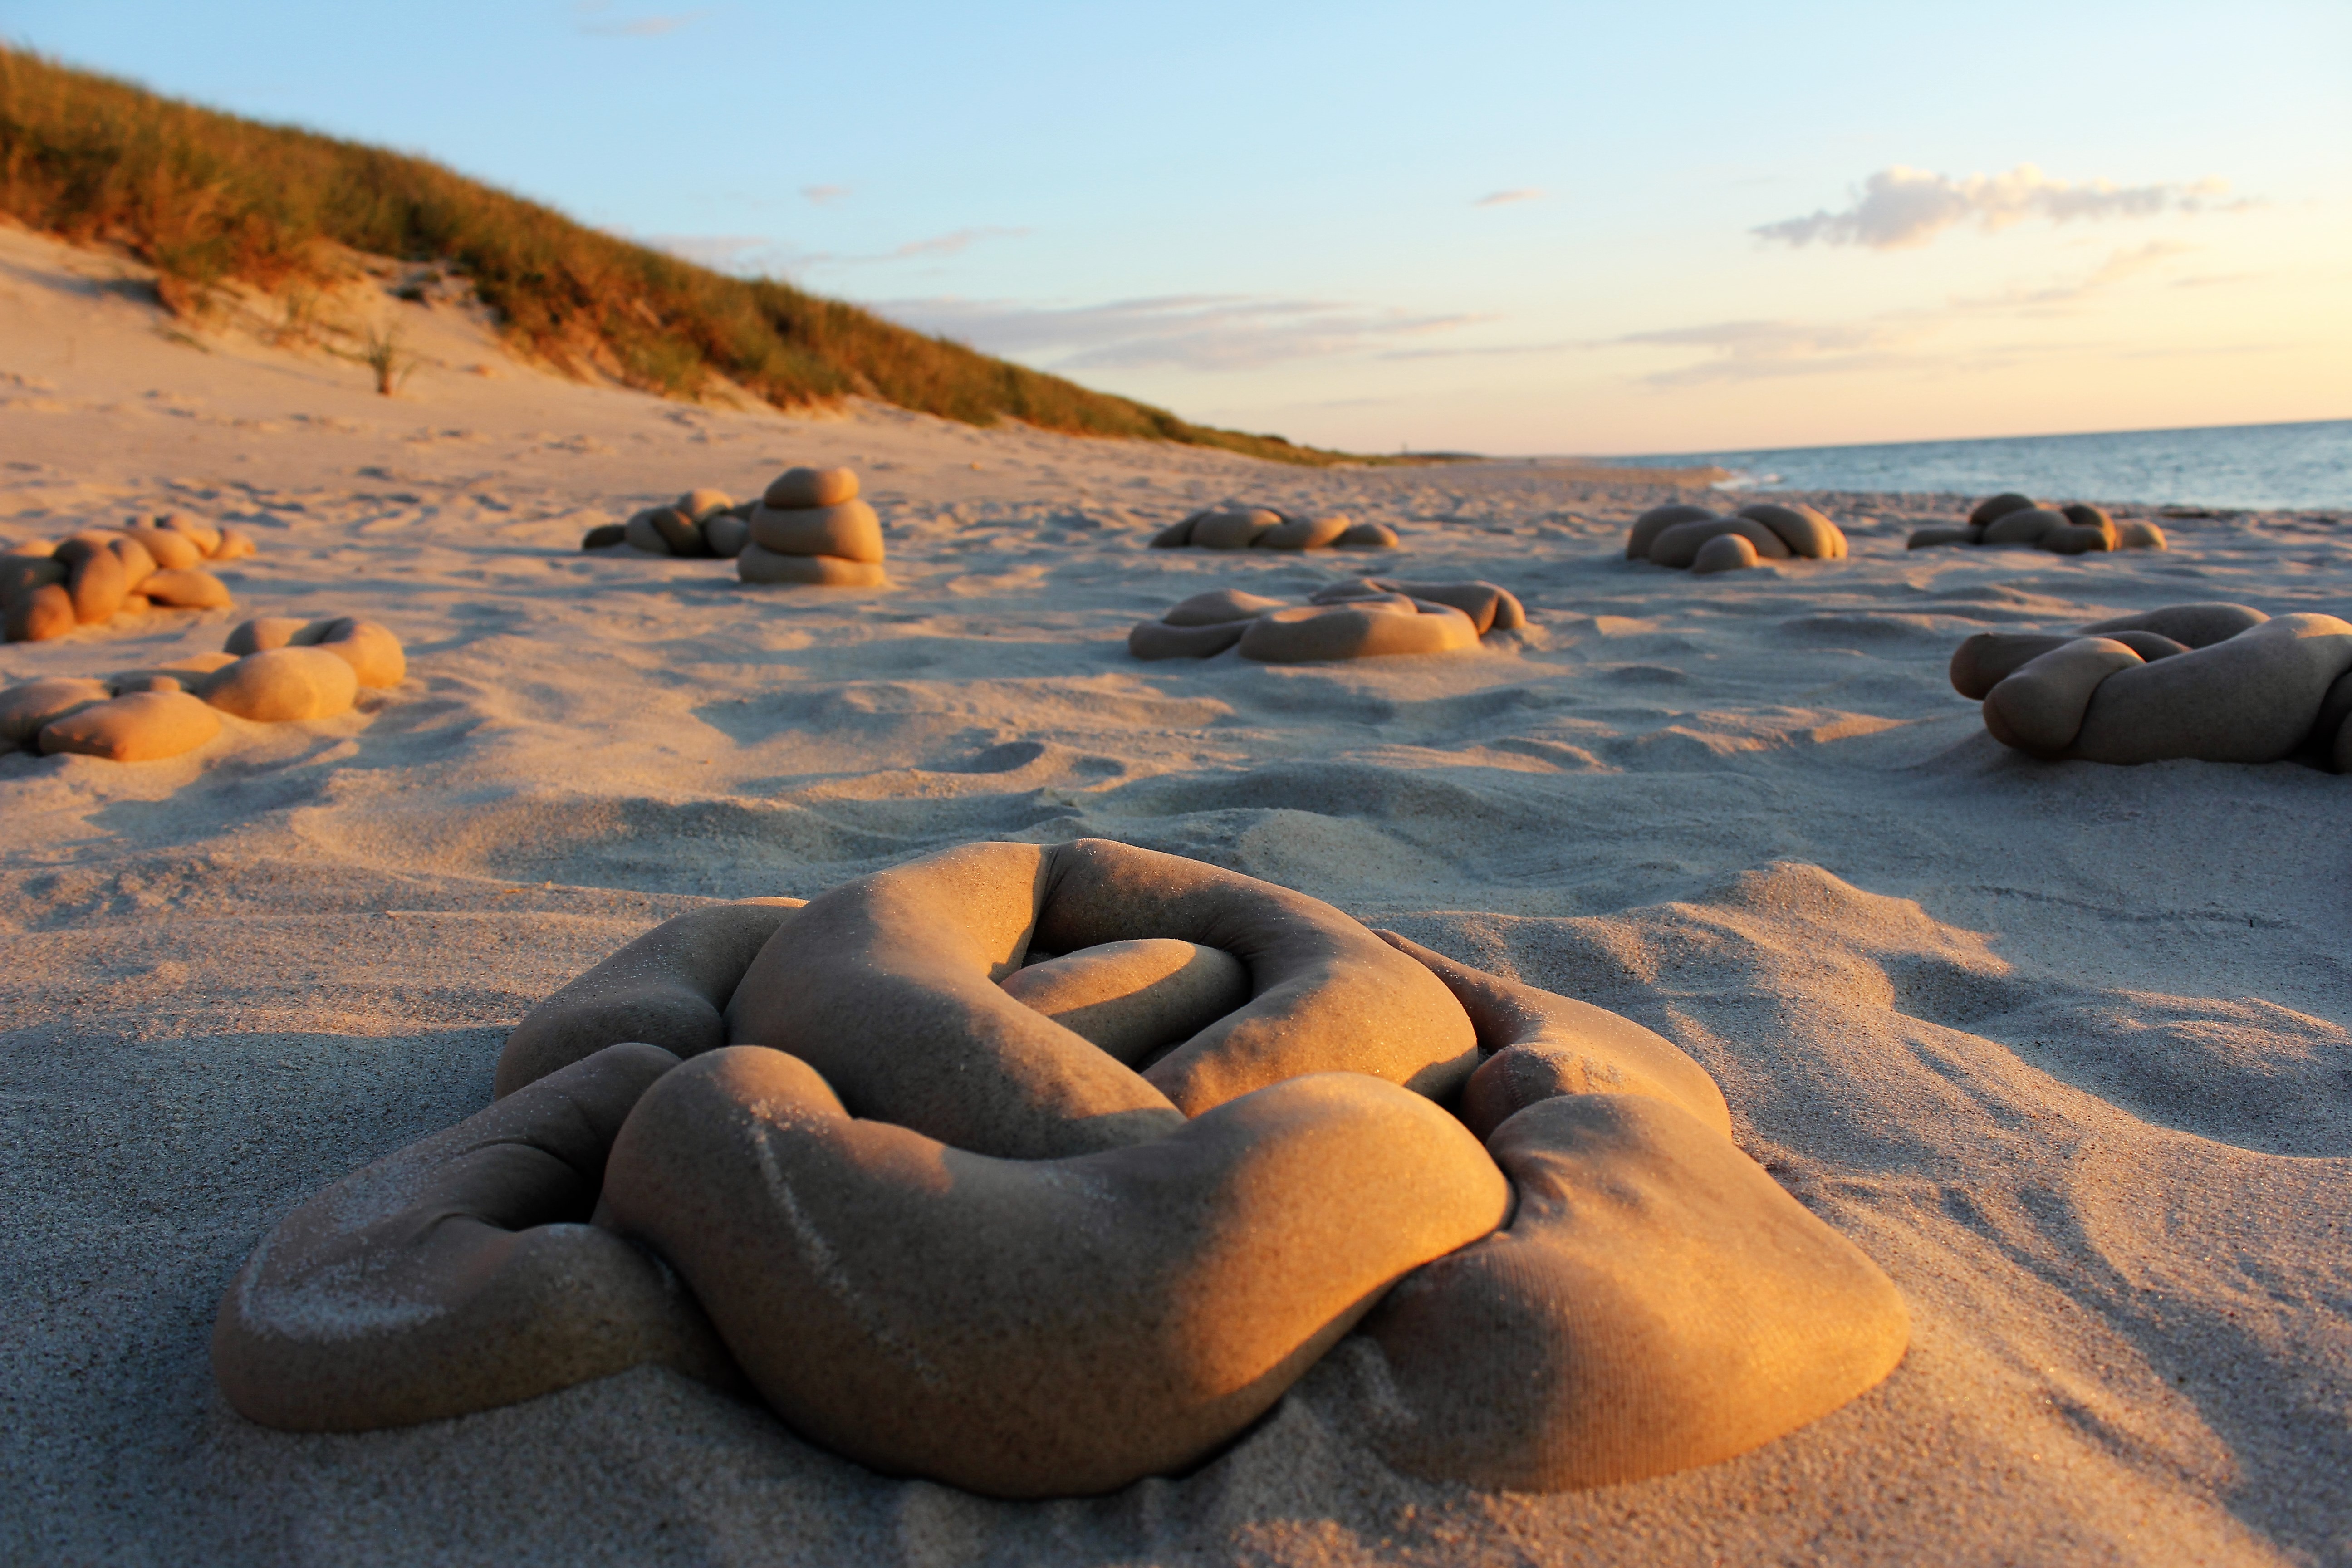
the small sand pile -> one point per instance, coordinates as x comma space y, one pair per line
810, 527
2219, 683
1694, 539
2075, 529
1364, 617
271, 670
703, 523
1263, 528
47, 587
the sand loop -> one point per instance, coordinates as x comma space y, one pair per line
2214, 682
1039, 1170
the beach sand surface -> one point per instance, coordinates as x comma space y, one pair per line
2063, 1047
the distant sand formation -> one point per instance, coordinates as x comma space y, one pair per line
47, 587
2220, 683
271, 670
2076, 528
808, 527
1040, 1170
1362, 619
1696, 539
1263, 528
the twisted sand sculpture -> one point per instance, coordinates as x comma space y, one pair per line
2075, 529
47, 587
272, 669
1695, 539
1037, 1170
1363, 617
2220, 683
1263, 528
702, 522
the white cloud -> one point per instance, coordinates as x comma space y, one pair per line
824, 195
1760, 349
1898, 208
1190, 332
1505, 198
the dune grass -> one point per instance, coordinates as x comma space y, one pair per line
208, 198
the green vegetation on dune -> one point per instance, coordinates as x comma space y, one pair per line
207, 198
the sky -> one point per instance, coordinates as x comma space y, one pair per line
1501, 227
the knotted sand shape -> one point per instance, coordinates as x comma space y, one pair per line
48, 587
947, 1235
1695, 539
273, 670
2076, 528
2218, 683
1364, 617
1263, 528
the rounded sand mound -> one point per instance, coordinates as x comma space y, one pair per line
1263, 528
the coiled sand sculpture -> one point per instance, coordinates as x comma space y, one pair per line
702, 522
1263, 528
1697, 540
1362, 619
808, 527
272, 671
2220, 683
1037, 1170
2075, 529
47, 587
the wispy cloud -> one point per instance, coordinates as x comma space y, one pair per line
2120, 266
1899, 208
1505, 198
824, 195
1189, 331
595, 17
1761, 350
754, 255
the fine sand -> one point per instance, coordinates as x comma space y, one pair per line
2062, 1045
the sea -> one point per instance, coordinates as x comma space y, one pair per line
2255, 467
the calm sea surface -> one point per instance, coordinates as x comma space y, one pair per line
2267, 466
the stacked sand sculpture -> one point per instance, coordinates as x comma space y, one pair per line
47, 587
1263, 528
1362, 618
1040, 1170
699, 523
1694, 539
810, 528
271, 670
2219, 683
2075, 529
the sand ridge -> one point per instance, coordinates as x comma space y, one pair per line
2063, 1047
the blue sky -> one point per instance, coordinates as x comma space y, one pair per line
1505, 228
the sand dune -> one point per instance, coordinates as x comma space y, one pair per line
2062, 1045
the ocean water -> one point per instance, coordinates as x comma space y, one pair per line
2272, 466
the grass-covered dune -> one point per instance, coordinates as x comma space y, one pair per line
208, 198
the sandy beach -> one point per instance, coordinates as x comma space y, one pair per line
2063, 1047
